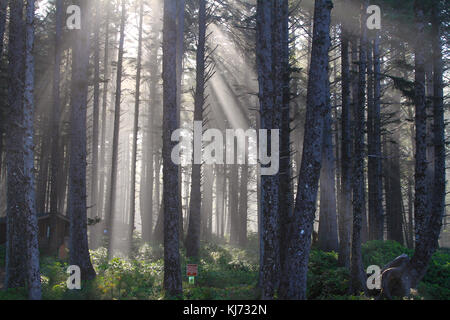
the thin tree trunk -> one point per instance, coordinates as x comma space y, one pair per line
136, 128
243, 206
111, 204
56, 113
95, 114
3, 9
193, 235
378, 222
345, 211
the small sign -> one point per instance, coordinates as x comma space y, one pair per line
192, 270
191, 280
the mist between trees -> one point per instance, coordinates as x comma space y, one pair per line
314, 125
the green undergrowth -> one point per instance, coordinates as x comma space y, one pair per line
225, 272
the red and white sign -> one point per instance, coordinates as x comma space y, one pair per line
192, 270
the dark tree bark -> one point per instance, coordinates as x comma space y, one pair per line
328, 235
305, 205
345, 210
16, 218
376, 222
286, 196
357, 280
32, 230
171, 203
22, 253
77, 209
269, 184
3, 9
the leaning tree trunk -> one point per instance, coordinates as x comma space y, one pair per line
305, 205
77, 209
171, 203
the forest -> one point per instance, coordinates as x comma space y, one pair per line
224, 150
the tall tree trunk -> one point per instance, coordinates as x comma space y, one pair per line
378, 213
95, 114
136, 127
111, 204
106, 73
3, 9
181, 7
265, 49
357, 280
328, 236
345, 210
286, 198
193, 235
77, 209
56, 114
16, 219
32, 230
305, 205
171, 203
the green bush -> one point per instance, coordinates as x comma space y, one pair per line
435, 284
325, 278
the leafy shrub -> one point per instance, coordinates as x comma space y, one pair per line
325, 278
380, 253
435, 284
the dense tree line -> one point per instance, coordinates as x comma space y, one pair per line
358, 116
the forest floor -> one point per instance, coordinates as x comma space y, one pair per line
225, 273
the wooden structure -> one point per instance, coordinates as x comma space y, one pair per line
62, 230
